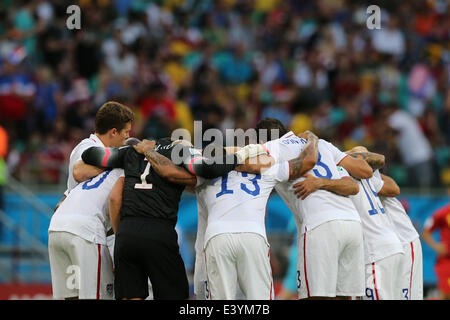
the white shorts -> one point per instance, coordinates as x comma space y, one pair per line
382, 281
411, 272
79, 268
238, 258
331, 260
201, 290
110, 241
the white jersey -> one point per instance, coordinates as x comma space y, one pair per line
380, 237
75, 156
237, 201
320, 206
400, 219
85, 211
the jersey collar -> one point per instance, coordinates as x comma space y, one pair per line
96, 139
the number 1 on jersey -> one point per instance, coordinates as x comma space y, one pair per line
144, 184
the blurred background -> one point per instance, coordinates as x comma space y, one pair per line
314, 65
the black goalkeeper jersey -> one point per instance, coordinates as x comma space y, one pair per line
145, 193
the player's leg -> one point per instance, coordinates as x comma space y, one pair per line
160, 256
381, 281
318, 262
130, 277
220, 266
416, 290
200, 280
404, 274
64, 278
167, 272
351, 275
96, 269
254, 273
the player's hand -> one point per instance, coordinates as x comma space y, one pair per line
306, 187
251, 151
144, 146
357, 149
306, 135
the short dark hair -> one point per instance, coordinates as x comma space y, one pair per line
112, 115
270, 124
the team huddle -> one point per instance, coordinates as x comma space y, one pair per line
117, 221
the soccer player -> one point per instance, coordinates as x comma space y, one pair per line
440, 220
412, 262
112, 127
410, 273
146, 241
81, 265
383, 250
331, 256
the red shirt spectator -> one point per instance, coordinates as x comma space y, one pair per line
157, 103
440, 220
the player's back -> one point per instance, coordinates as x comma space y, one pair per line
85, 210
400, 219
237, 201
145, 193
75, 156
320, 206
380, 236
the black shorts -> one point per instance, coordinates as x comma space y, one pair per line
148, 248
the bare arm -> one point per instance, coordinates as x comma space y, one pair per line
438, 247
344, 186
390, 187
298, 166
83, 171
115, 203
231, 150
356, 167
166, 169
256, 165
307, 158
375, 160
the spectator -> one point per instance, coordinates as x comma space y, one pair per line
415, 149
312, 64
440, 220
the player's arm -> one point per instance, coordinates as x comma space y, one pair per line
357, 166
307, 158
105, 158
438, 247
344, 186
115, 203
83, 171
297, 167
224, 162
375, 160
163, 166
390, 187
431, 224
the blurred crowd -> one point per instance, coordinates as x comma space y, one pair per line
313, 64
